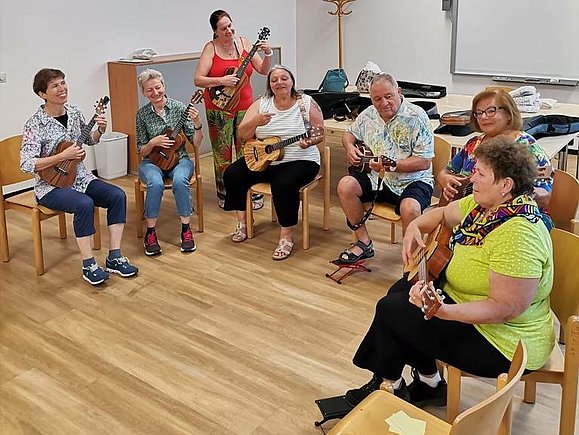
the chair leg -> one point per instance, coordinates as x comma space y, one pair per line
199, 199
530, 392
326, 212
393, 233
96, 240
305, 219
62, 225
139, 208
453, 393
249, 215
37, 241
4, 249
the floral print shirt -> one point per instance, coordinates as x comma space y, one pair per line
40, 137
407, 134
463, 163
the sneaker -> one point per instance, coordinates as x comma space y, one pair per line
94, 274
355, 396
422, 394
121, 266
187, 241
151, 244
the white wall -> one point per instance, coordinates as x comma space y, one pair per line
81, 37
409, 38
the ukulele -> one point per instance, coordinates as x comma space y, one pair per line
63, 173
167, 158
259, 153
463, 189
227, 97
427, 264
368, 156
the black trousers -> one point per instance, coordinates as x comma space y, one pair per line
399, 335
286, 181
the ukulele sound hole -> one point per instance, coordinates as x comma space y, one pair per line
268, 149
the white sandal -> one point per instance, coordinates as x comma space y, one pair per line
240, 233
283, 250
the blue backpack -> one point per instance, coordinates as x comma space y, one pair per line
335, 80
550, 125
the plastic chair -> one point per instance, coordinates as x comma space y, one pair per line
442, 155
371, 416
323, 177
560, 368
196, 182
564, 200
25, 202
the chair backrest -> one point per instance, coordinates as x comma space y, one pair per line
10, 161
486, 417
442, 154
564, 200
564, 294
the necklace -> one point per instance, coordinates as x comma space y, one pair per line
228, 51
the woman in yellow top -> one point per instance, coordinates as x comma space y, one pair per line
496, 287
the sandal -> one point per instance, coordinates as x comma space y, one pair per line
240, 233
257, 202
283, 250
348, 257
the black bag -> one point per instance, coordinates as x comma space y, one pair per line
456, 123
550, 125
339, 104
421, 90
429, 107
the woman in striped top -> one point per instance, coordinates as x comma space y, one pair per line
277, 113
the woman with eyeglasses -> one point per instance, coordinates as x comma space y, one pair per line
494, 113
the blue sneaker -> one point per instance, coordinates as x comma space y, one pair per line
121, 266
94, 274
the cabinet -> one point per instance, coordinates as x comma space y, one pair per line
178, 71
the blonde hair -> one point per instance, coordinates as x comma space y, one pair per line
147, 75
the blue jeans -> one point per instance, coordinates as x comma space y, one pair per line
98, 193
153, 177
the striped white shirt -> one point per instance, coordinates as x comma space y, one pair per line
285, 124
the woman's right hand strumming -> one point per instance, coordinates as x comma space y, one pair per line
229, 80
73, 152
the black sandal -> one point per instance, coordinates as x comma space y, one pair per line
348, 257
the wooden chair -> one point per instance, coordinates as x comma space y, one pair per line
25, 202
323, 177
564, 200
442, 155
196, 182
372, 414
560, 368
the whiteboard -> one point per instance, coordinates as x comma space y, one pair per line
523, 38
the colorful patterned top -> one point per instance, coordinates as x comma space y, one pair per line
218, 68
520, 247
41, 134
463, 163
407, 134
150, 124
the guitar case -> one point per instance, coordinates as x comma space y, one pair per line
339, 104
456, 123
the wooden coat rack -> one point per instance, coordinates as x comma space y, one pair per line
339, 12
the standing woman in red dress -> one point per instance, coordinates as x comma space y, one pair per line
224, 51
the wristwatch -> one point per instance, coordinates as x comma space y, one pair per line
392, 168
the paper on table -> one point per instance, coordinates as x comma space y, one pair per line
401, 423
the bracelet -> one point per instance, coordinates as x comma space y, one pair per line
268, 55
195, 128
101, 132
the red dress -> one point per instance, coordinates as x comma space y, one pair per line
218, 68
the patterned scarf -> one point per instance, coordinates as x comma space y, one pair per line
474, 228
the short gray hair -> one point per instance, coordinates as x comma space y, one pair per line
384, 77
149, 74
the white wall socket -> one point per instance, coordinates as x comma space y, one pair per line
2, 77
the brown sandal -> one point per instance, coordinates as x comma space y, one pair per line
283, 250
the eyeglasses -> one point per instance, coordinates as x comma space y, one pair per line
489, 111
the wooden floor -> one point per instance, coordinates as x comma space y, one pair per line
223, 340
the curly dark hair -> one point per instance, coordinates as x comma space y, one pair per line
508, 158
43, 77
